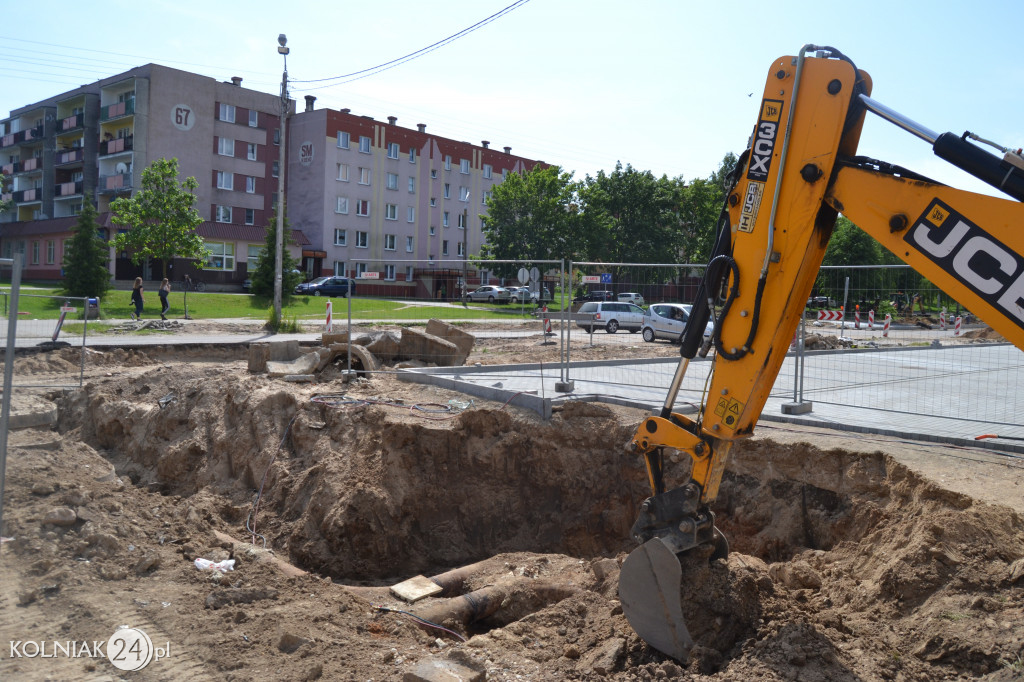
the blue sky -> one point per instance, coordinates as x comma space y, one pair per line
664, 85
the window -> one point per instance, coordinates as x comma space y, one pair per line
277, 136
360, 269
274, 169
447, 191
487, 170
433, 230
340, 237
444, 247
393, 150
409, 242
250, 184
447, 162
362, 207
64, 251
51, 248
342, 205
343, 172
462, 220
412, 154
433, 202
225, 146
250, 216
254, 251
364, 176
254, 118
408, 273
343, 139
223, 214
504, 174
227, 112
485, 196
225, 180
410, 214
362, 239
364, 144
412, 185
444, 219
389, 242
250, 152
390, 212
389, 272
392, 181
222, 256
461, 246
339, 268
464, 166
463, 194
433, 173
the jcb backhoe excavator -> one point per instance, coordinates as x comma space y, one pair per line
799, 173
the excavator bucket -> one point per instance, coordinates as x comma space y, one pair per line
650, 593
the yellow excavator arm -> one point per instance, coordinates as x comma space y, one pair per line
799, 172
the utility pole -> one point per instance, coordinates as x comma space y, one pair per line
282, 50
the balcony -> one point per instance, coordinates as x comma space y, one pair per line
26, 195
67, 189
119, 182
111, 111
11, 168
70, 156
22, 136
71, 123
121, 144
30, 165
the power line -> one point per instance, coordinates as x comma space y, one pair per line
355, 75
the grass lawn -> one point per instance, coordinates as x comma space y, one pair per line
44, 303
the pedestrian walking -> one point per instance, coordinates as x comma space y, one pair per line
165, 289
137, 299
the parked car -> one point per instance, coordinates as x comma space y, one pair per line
489, 293
821, 302
327, 286
668, 321
631, 297
595, 296
520, 294
611, 316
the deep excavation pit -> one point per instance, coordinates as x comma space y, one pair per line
843, 565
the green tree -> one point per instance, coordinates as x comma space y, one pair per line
642, 213
263, 276
85, 264
703, 202
5, 188
161, 217
537, 215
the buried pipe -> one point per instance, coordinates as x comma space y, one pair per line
520, 596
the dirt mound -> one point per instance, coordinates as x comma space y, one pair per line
844, 565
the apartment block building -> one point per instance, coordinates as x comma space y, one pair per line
93, 143
365, 198
376, 196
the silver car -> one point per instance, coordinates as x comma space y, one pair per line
611, 316
489, 293
668, 321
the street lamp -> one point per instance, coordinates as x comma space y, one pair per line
282, 50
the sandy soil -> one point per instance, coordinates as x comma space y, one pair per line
852, 559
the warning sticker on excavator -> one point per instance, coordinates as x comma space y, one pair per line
764, 140
751, 204
936, 216
728, 409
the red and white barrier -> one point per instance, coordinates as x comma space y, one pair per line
942, 320
871, 319
328, 327
547, 322
956, 329
830, 315
856, 317
885, 325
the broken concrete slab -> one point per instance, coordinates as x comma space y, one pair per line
331, 338
304, 364
429, 348
385, 346
440, 670
463, 340
416, 588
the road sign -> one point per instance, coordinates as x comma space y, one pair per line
534, 274
591, 279
369, 275
606, 278
830, 315
524, 276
